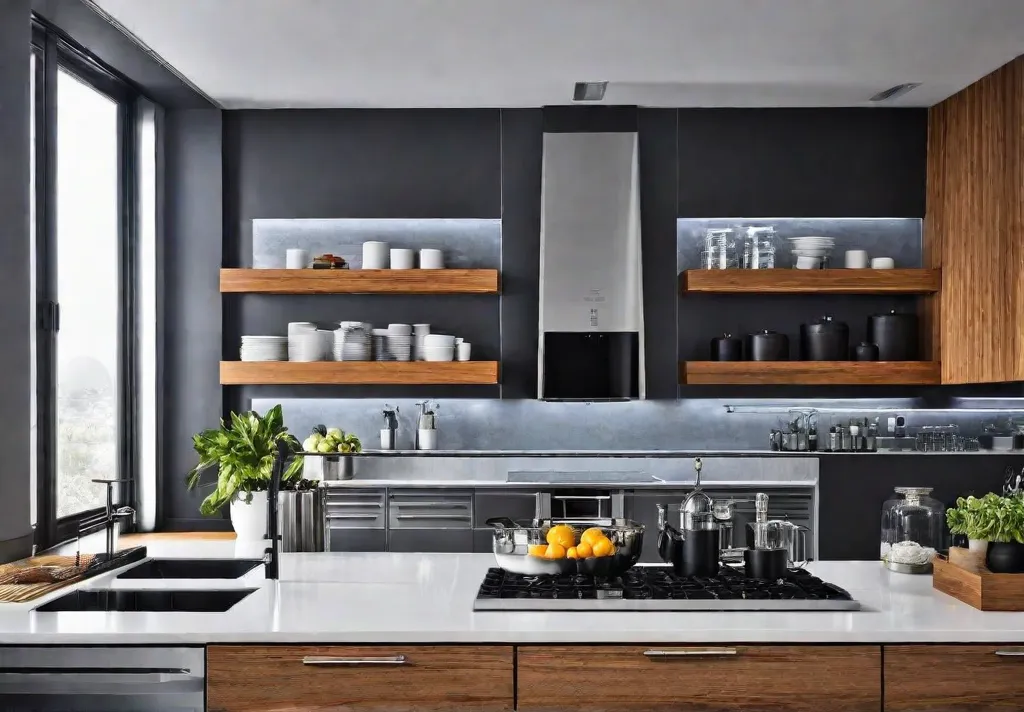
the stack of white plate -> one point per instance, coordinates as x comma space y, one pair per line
438, 347
399, 341
352, 342
306, 346
813, 249
295, 328
264, 348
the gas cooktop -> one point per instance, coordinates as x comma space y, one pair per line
657, 588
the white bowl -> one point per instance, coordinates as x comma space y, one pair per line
439, 353
803, 262
404, 329
421, 329
430, 340
882, 263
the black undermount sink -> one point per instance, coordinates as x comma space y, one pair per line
191, 569
161, 601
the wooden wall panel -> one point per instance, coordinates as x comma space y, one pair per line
975, 229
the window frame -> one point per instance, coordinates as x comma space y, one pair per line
55, 52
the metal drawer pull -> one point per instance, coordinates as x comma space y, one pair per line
1011, 653
455, 504
460, 517
322, 660
353, 516
693, 653
352, 503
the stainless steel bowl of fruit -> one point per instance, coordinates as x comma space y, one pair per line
598, 547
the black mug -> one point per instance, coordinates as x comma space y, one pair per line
768, 564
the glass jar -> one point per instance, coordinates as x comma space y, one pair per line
759, 248
719, 249
913, 526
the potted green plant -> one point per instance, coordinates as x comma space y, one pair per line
243, 455
997, 520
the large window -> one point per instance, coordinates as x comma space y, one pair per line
85, 283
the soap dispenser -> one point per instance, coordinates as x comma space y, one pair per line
389, 433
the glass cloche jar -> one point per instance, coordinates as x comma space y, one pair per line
913, 526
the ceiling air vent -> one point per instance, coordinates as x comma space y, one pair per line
896, 91
589, 91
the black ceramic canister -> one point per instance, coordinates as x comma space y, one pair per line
895, 335
726, 348
865, 351
824, 340
766, 346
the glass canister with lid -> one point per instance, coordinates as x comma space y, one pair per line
913, 527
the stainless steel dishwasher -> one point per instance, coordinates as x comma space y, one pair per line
101, 679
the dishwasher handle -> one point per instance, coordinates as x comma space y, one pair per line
98, 680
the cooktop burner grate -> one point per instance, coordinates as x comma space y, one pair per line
658, 588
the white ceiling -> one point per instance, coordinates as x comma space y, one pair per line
438, 53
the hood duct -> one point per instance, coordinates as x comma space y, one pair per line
591, 344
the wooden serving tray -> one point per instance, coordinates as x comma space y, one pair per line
963, 577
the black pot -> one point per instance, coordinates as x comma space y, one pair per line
771, 564
824, 340
766, 346
1005, 557
865, 351
726, 348
895, 335
691, 553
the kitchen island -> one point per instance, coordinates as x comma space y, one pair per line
386, 598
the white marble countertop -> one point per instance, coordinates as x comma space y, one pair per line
427, 598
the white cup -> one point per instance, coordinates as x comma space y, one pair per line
428, 439
883, 263
462, 351
375, 255
431, 259
856, 259
402, 259
421, 329
401, 329
804, 262
296, 258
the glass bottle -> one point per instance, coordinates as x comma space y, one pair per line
912, 516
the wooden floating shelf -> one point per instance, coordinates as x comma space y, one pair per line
810, 373
359, 281
811, 281
325, 373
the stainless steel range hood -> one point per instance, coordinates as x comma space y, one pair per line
591, 344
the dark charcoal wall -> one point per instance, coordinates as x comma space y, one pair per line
15, 295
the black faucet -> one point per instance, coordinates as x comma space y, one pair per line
270, 556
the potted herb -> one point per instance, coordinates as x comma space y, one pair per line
999, 521
337, 447
243, 454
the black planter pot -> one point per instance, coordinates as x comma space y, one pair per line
1005, 557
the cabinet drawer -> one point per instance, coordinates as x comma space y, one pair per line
356, 509
430, 509
954, 678
412, 678
708, 678
448, 541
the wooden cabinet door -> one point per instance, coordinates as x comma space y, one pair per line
246, 678
953, 678
594, 678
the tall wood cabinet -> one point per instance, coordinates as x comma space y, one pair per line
974, 229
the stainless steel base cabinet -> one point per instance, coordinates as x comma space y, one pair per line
102, 679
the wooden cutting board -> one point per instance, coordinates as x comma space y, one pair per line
31, 578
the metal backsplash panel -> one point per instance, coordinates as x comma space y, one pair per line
700, 424
899, 238
466, 243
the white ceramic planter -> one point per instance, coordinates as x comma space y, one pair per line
978, 547
249, 520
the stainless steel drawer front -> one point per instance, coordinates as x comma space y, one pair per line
430, 509
356, 509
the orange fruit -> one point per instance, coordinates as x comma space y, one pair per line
540, 550
555, 551
572, 553
592, 535
562, 534
584, 550
604, 547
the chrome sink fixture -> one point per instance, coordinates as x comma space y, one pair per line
146, 601
191, 569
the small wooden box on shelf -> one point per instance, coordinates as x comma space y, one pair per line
359, 281
325, 373
810, 281
809, 373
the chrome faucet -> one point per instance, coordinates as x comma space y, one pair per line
107, 519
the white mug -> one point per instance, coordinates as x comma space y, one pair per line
402, 259
856, 259
463, 351
375, 255
431, 259
296, 258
